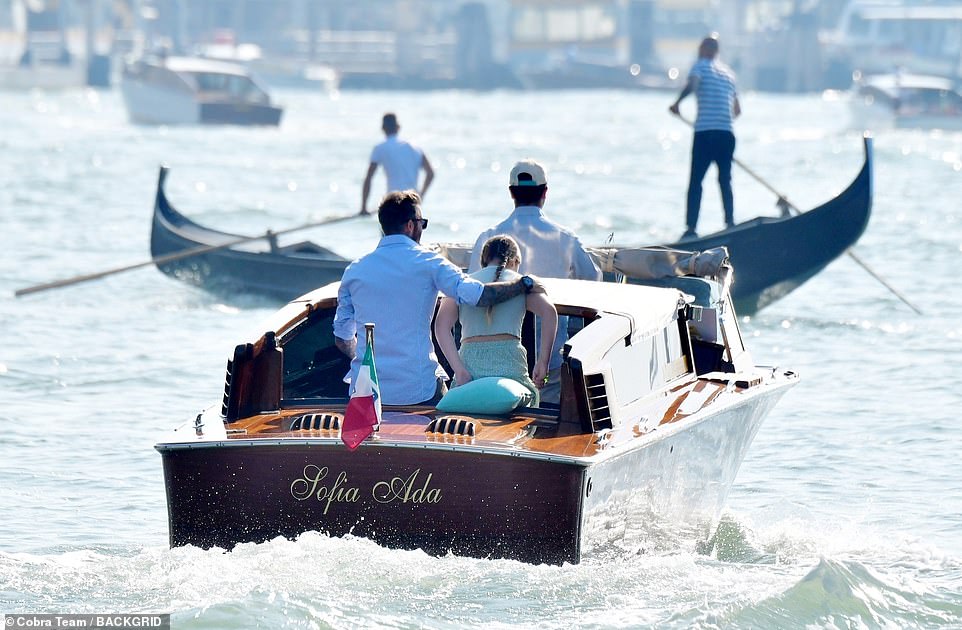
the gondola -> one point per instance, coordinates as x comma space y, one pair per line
771, 256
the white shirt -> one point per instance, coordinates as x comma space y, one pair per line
401, 161
548, 250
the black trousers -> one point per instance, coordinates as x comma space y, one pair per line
708, 147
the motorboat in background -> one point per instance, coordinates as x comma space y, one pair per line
906, 101
160, 89
660, 401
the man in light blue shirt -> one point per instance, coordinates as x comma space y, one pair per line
401, 160
714, 140
396, 287
548, 250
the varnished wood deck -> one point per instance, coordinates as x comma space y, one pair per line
533, 430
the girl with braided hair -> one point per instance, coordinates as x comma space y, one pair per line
491, 336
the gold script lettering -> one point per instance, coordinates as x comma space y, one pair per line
310, 486
406, 490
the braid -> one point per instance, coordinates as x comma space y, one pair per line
505, 249
497, 276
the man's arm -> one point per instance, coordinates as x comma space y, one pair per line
736, 108
690, 87
497, 292
583, 265
366, 188
344, 327
347, 346
428, 174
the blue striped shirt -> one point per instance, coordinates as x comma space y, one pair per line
716, 95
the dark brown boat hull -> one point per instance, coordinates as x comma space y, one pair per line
415, 498
445, 498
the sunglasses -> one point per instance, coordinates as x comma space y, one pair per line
423, 222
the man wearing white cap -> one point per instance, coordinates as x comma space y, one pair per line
548, 249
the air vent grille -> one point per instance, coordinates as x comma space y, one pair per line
316, 422
598, 400
451, 425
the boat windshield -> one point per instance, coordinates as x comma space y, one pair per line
234, 86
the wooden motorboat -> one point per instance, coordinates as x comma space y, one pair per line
192, 90
771, 255
660, 401
907, 101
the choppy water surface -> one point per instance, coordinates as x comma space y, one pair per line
846, 514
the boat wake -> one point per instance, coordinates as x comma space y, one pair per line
770, 578
836, 592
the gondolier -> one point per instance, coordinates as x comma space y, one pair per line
714, 86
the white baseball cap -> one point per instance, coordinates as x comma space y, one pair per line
528, 173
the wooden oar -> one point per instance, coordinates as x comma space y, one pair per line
784, 203
186, 253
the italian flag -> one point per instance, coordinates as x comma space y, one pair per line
363, 412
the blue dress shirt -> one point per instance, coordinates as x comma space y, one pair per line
396, 286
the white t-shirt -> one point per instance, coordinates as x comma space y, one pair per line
401, 161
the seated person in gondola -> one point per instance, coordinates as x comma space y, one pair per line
491, 336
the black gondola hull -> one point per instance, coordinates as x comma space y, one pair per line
771, 256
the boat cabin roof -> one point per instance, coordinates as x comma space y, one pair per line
195, 65
893, 83
648, 308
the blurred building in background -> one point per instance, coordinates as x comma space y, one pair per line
773, 45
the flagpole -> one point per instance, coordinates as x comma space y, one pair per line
369, 335
369, 342
362, 416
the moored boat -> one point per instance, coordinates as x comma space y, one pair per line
660, 401
773, 255
907, 101
191, 90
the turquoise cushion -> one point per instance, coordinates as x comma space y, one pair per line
492, 395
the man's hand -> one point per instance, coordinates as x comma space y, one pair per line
673, 108
364, 212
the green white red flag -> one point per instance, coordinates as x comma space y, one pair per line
363, 412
